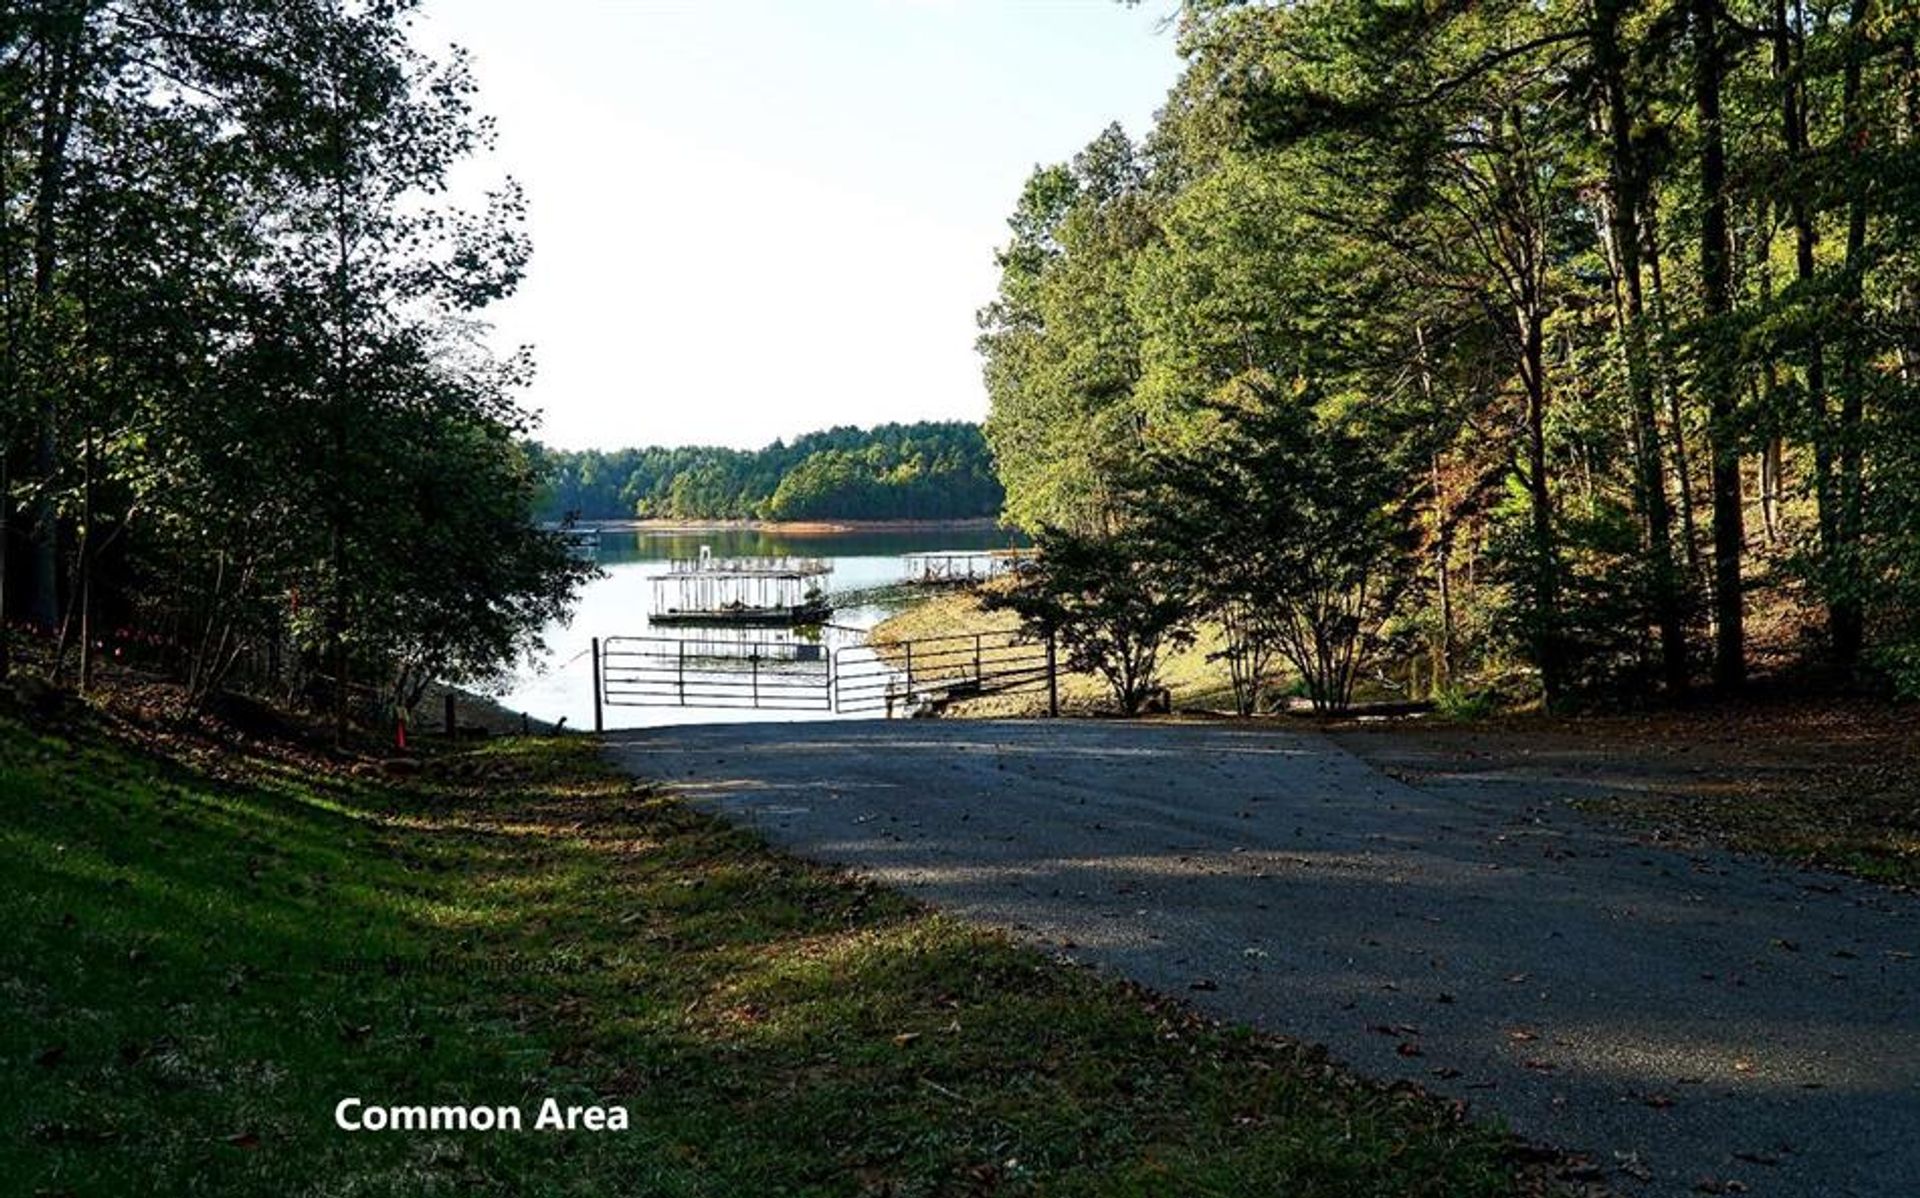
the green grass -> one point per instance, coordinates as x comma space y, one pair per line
1462, 704
194, 969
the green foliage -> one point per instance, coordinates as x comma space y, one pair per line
1111, 601
1888, 579
1282, 524
1060, 347
461, 582
1575, 272
1459, 703
245, 422
925, 471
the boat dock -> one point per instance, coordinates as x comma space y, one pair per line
962, 568
760, 591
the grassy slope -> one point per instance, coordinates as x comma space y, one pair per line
1195, 682
194, 969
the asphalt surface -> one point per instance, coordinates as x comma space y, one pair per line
1687, 1020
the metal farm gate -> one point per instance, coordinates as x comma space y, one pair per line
658, 671
892, 678
905, 676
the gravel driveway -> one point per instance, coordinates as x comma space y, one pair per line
1688, 1020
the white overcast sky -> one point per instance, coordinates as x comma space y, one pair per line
754, 218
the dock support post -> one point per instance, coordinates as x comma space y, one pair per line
599, 723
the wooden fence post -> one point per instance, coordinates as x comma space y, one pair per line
599, 722
1053, 678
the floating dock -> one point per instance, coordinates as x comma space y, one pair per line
766, 592
962, 568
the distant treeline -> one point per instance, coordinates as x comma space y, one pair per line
926, 471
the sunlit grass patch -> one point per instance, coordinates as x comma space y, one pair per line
1193, 677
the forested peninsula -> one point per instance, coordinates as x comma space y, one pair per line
931, 470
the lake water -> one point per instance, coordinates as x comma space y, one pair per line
618, 604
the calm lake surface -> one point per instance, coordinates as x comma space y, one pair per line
617, 605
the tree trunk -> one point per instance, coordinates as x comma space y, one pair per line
1716, 381
58, 96
1546, 566
1904, 130
12, 399
88, 552
1442, 534
1772, 467
341, 388
1630, 312
1676, 417
1787, 67
1443, 577
6, 556
1847, 610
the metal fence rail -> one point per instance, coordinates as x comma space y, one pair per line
691, 672
905, 675
896, 678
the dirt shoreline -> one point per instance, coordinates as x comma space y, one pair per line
798, 527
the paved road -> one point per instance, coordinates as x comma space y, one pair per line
1681, 1018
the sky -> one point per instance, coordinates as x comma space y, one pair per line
756, 218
